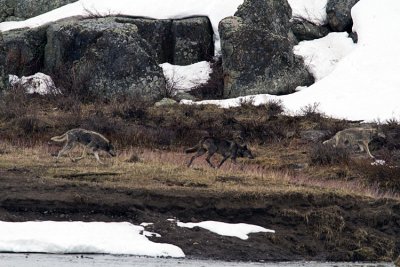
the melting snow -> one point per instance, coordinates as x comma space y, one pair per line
240, 230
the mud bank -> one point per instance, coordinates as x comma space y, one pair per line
321, 227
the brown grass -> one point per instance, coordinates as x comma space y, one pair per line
166, 170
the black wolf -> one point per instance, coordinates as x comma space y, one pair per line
93, 141
228, 149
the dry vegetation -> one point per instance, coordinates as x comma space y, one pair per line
151, 140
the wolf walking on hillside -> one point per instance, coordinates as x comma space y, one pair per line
91, 140
226, 148
355, 136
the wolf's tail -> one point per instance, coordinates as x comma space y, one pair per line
192, 149
60, 138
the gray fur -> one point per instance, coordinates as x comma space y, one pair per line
357, 136
228, 149
91, 140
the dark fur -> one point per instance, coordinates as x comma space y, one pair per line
226, 148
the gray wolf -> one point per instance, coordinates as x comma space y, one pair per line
226, 148
357, 136
91, 140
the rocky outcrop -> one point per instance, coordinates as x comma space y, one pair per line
339, 14
192, 40
157, 33
179, 42
22, 51
111, 57
304, 30
257, 51
24, 9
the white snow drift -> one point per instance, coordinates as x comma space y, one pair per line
38, 83
81, 237
310, 10
186, 77
365, 84
322, 55
240, 230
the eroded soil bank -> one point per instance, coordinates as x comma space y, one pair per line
325, 226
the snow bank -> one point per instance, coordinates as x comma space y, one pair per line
216, 10
187, 77
39, 83
322, 55
365, 85
240, 230
310, 10
81, 237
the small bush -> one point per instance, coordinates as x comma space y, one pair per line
274, 108
321, 154
311, 112
386, 177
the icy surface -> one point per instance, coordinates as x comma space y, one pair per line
310, 10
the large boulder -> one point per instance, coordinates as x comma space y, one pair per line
192, 40
6, 9
157, 33
107, 56
257, 51
22, 51
304, 30
339, 14
24, 9
179, 42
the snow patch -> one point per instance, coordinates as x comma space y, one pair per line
365, 84
240, 230
313, 11
185, 78
322, 55
38, 83
81, 237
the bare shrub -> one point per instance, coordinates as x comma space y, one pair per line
73, 81
311, 112
14, 103
274, 107
386, 177
326, 155
130, 107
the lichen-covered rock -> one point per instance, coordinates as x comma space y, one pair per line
24, 9
339, 14
22, 51
179, 42
110, 57
192, 40
257, 52
304, 30
157, 33
6, 9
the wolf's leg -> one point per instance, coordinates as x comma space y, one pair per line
82, 156
199, 153
96, 155
222, 161
210, 154
67, 147
367, 149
